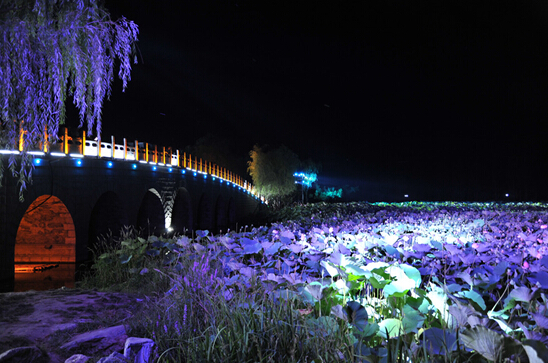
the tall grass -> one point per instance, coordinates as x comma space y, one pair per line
194, 315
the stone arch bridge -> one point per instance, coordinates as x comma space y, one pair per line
81, 191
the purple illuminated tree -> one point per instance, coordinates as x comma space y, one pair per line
51, 49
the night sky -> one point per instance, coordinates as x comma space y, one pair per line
438, 100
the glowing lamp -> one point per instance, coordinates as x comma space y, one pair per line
213, 178
170, 170
110, 164
154, 168
37, 161
506, 195
78, 162
134, 166
194, 173
205, 176
58, 154
183, 171
406, 196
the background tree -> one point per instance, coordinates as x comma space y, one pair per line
51, 48
272, 172
219, 149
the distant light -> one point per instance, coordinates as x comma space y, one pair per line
41, 153
78, 162
170, 170
183, 171
161, 164
507, 195
9, 152
194, 173
143, 161
154, 168
213, 178
170, 229
110, 164
37, 161
57, 154
406, 195
205, 176
134, 166
76, 155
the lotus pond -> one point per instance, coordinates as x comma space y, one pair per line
352, 282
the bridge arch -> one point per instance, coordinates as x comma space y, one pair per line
151, 216
204, 213
181, 217
46, 233
231, 214
221, 221
108, 217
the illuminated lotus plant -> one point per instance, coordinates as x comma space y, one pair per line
49, 49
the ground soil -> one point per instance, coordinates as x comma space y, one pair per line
48, 319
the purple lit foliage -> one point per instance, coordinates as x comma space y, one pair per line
49, 49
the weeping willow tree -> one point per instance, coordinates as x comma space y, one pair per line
51, 49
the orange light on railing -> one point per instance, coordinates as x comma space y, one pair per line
83, 146
45, 146
65, 142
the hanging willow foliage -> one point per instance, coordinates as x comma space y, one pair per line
50, 49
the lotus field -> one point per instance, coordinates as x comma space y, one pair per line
352, 282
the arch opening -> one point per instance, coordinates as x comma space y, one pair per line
151, 216
231, 214
107, 219
221, 220
45, 246
204, 213
46, 233
181, 218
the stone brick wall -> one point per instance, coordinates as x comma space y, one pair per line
46, 233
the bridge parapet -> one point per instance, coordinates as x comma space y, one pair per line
141, 152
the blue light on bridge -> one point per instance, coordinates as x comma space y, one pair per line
194, 173
110, 164
37, 161
213, 178
170, 170
205, 176
154, 168
78, 162
183, 171
134, 166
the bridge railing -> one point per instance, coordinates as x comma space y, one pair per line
142, 152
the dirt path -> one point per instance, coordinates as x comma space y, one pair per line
48, 318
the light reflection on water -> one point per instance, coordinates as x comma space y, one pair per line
44, 277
